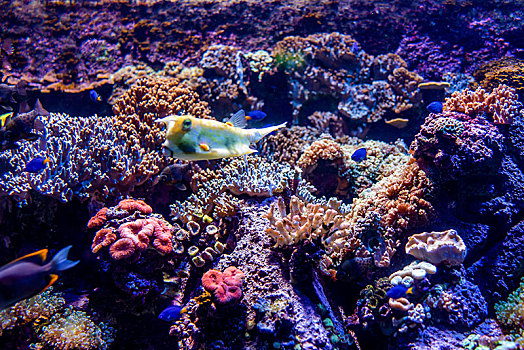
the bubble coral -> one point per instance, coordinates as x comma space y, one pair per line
226, 286
437, 247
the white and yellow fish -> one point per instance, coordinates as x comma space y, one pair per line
190, 138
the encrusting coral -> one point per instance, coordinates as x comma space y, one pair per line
437, 247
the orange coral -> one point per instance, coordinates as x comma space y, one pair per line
508, 71
103, 238
99, 219
501, 104
134, 204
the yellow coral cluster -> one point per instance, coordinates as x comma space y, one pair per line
152, 98
508, 71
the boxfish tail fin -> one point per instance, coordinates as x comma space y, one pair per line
60, 261
258, 134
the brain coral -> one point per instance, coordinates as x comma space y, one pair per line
437, 247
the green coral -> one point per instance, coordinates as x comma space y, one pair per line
510, 313
290, 61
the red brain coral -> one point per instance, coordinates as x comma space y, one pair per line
134, 204
226, 286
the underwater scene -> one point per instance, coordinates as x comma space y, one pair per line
263, 175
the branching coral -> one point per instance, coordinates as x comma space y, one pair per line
501, 104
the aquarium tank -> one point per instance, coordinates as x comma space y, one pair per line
262, 175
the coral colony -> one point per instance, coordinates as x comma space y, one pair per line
261, 175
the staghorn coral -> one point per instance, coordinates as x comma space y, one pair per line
437, 247
501, 104
316, 223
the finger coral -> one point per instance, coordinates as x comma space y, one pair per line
437, 247
501, 104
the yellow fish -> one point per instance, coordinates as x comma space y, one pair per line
4, 117
191, 138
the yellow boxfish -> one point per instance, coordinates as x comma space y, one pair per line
191, 138
27, 276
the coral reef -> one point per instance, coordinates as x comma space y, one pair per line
437, 247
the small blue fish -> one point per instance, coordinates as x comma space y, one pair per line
399, 291
435, 107
36, 165
28, 275
94, 96
171, 313
256, 115
359, 155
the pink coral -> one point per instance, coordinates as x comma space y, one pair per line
128, 237
226, 286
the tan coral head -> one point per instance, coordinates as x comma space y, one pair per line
191, 138
437, 247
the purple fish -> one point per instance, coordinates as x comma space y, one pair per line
27, 276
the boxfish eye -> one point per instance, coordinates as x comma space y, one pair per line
186, 125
